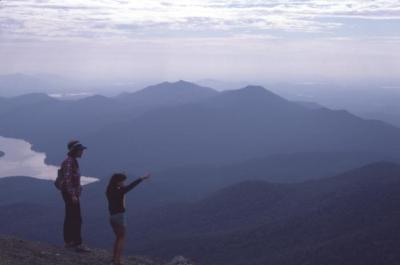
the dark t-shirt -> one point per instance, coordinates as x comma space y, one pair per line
116, 197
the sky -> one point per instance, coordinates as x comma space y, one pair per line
202, 39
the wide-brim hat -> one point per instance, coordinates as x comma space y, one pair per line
76, 145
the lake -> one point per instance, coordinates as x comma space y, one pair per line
20, 160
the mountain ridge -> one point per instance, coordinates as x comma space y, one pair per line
228, 127
251, 222
225, 127
299, 222
167, 93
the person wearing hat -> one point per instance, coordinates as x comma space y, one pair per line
71, 191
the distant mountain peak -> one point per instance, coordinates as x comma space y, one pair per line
169, 93
254, 90
184, 82
180, 84
254, 94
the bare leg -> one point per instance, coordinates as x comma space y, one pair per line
120, 247
119, 231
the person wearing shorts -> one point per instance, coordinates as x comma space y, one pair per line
116, 191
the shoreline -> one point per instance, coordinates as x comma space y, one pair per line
19, 159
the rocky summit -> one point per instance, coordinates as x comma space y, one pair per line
15, 251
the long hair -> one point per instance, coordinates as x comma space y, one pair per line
114, 180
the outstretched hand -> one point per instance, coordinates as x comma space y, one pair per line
146, 176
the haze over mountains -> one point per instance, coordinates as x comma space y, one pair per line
374, 99
189, 125
238, 125
239, 177
18, 84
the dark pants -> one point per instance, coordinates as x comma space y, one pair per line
72, 221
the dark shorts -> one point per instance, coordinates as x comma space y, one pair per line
118, 219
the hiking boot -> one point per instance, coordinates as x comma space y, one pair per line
82, 248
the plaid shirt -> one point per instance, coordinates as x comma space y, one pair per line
72, 176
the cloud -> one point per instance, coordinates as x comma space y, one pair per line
132, 19
178, 39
